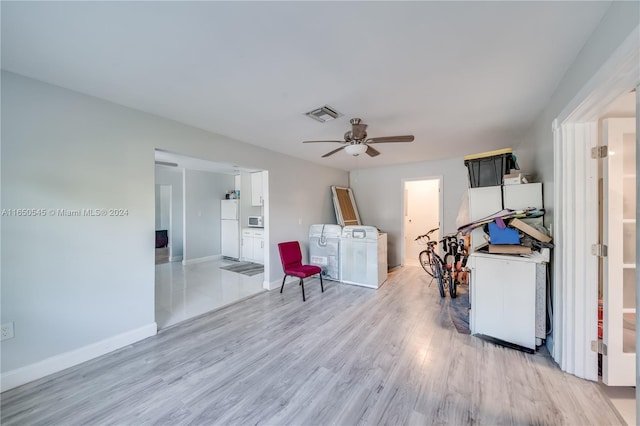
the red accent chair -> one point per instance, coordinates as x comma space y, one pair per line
291, 258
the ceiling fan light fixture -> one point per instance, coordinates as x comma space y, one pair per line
323, 114
356, 149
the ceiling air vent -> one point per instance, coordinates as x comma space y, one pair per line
324, 114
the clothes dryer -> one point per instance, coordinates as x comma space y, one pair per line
363, 256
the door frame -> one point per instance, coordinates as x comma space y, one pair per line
575, 289
404, 203
169, 231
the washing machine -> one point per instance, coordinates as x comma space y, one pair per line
363, 256
324, 249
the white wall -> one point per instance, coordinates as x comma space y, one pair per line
537, 143
165, 207
202, 195
68, 282
379, 196
158, 208
77, 287
618, 23
173, 177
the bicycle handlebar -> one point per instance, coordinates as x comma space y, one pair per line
426, 235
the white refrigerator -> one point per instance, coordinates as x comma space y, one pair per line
230, 229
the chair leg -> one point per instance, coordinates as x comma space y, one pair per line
302, 284
321, 286
281, 288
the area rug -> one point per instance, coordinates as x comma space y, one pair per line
245, 268
459, 310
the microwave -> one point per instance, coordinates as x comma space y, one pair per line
255, 222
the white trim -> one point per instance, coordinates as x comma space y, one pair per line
616, 76
575, 200
576, 271
558, 258
269, 285
266, 203
201, 259
40, 369
276, 284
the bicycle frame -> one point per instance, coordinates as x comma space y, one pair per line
450, 269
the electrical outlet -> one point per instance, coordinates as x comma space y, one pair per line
6, 331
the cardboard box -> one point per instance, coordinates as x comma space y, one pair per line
512, 179
508, 249
530, 230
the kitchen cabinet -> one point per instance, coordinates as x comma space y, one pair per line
253, 245
257, 190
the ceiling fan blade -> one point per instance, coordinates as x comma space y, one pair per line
372, 152
322, 141
332, 152
386, 139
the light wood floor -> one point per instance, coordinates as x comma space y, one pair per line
348, 356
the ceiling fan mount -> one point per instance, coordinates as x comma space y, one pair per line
356, 142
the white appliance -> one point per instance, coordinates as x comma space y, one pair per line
230, 229
255, 222
508, 298
324, 249
363, 256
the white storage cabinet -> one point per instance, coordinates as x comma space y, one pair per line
507, 298
253, 245
257, 191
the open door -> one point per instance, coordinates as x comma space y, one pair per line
421, 213
619, 238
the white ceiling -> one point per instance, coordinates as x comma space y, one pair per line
463, 77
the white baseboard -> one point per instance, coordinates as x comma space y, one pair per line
278, 283
175, 259
201, 259
40, 369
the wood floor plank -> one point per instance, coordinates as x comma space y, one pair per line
347, 356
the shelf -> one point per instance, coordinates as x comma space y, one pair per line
629, 310
628, 221
628, 266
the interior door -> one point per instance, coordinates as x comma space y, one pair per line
619, 267
421, 213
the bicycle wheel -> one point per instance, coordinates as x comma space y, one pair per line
439, 277
425, 262
453, 285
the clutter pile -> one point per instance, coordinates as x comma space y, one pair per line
509, 234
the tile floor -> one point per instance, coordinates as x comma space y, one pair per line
624, 399
184, 292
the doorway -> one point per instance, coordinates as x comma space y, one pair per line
200, 277
422, 205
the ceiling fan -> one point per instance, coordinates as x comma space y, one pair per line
356, 142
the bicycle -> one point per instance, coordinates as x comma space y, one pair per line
457, 269
449, 270
430, 261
